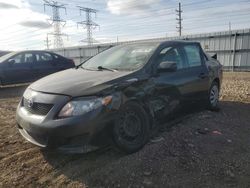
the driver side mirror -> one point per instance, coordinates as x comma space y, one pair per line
167, 66
11, 61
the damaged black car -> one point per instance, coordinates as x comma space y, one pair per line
118, 95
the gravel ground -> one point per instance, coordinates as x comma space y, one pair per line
199, 149
236, 87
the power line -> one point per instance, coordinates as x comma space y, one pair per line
56, 21
88, 23
190, 20
146, 22
179, 19
151, 11
139, 29
128, 36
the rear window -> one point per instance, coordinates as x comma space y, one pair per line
193, 55
56, 56
45, 57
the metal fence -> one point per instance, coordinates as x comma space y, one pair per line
232, 48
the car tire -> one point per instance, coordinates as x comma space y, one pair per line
131, 130
213, 97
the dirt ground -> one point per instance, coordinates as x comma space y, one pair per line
199, 149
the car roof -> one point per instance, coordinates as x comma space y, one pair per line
33, 51
179, 42
160, 43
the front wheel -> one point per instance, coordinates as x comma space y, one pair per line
131, 128
213, 98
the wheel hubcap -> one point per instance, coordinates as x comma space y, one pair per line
214, 95
130, 126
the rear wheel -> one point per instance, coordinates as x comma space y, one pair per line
131, 129
213, 98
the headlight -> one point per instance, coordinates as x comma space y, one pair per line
83, 106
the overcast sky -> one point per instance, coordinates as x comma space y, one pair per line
24, 24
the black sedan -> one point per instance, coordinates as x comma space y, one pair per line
28, 66
119, 95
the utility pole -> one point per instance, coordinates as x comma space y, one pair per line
56, 21
47, 42
179, 19
88, 23
230, 27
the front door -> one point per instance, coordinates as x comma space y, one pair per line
20, 70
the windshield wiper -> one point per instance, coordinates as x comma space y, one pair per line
80, 65
104, 68
87, 69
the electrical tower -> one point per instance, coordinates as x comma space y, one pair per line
179, 19
88, 24
56, 21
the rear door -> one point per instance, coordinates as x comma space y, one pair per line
63, 63
197, 71
44, 65
21, 70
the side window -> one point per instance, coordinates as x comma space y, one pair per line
172, 54
18, 58
193, 55
28, 58
56, 57
37, 57
45, 57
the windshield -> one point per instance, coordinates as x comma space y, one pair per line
7, 56
122, 58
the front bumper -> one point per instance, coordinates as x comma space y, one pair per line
73, 134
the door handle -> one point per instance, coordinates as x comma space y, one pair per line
202, 75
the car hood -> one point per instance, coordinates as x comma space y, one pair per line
77, 82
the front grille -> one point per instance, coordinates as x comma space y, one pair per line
37, 108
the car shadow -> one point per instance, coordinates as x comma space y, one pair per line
80, 167
77, 167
